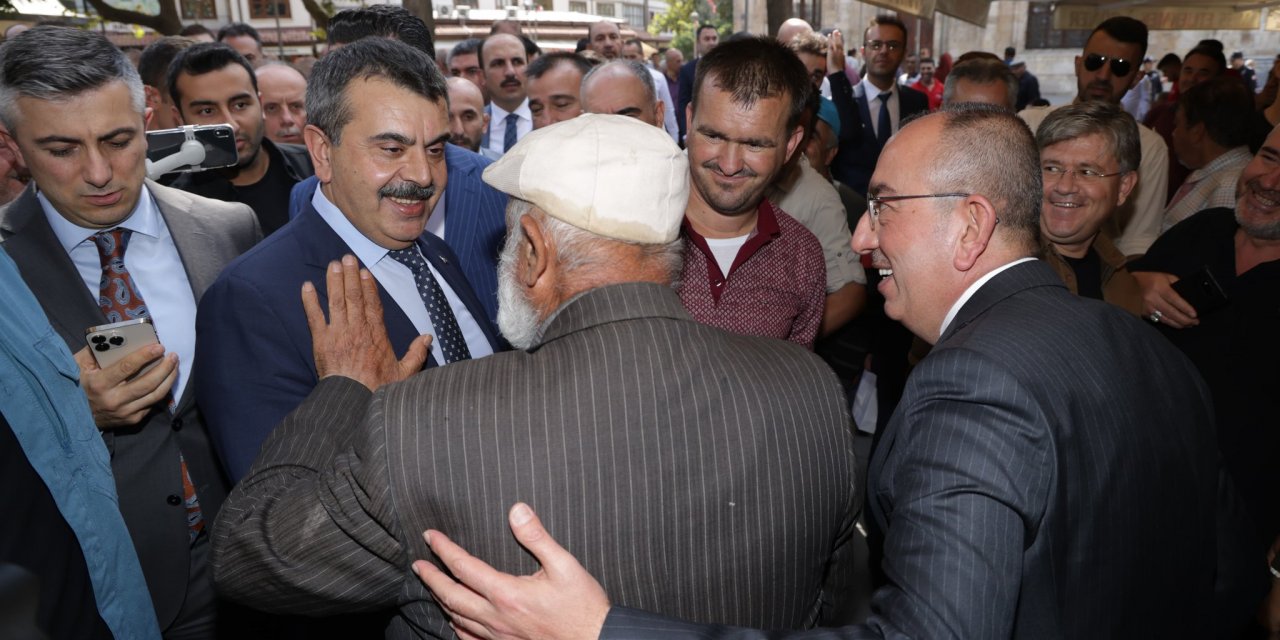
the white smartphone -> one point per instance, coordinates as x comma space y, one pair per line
112, 342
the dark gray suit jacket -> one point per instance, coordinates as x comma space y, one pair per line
1049, 473
144, 458
698, 473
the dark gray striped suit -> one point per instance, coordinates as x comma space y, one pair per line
698, 473
1049, 473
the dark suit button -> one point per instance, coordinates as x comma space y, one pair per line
176, 424
174, 500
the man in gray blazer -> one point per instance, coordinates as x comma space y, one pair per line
1049, 473
74, 106
691, 480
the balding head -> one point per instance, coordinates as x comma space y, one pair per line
792, 28
467, 119
284, 101
625, 88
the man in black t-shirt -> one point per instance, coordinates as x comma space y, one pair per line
212, 84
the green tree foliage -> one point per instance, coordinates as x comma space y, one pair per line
679, 20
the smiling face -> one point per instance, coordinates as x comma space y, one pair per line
1102, 83
389, 170
735, 150
86, 153
909, 243
553, 96
1076, 207
1258, 199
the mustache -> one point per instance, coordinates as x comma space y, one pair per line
745, 171
289, 131
407, 191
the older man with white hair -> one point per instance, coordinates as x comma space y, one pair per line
693, 484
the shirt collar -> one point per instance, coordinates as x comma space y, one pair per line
500, 114
973, 288
1233, 156
144, 219
366, 251
872, 92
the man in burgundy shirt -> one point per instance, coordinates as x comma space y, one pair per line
749, 267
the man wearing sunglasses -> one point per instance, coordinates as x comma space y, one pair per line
1107, 68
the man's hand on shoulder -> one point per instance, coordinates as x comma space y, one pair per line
121, 397
559, 602
353, 341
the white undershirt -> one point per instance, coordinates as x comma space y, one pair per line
726, 251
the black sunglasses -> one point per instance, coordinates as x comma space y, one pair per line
1119, 66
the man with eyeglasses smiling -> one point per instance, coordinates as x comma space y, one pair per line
1107, 68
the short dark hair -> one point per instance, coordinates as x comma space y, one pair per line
383, 21
1127, 30
391, 60
928, 60
468, 46
981, 70
202, 58
754, 68
196, 30
53, 63
236, 29
884, 20
633, 42
548, 62
1010, 52
153, 65
989, 151
1210, 53
531, 48
1224, 105
702, 27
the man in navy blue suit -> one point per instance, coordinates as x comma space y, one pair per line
377, 132
882, 105
475, 211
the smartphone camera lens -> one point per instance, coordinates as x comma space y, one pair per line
116, 340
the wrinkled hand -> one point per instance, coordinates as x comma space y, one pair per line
559, 602
353, 343
116, 397
1158, 295
835, 52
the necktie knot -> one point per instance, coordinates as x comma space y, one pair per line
111, 245
408, 257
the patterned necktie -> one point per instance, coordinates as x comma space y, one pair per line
447, 333
120, 300
883, 127
509, 138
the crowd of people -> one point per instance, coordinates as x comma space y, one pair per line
746, 331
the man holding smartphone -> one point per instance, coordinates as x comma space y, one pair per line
98, 243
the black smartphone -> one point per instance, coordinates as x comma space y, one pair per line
218, 140
1202, 291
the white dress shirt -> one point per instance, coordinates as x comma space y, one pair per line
156, 268
399, 283
498, 124
873, 106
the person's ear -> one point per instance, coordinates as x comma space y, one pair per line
978, 220
535, 254
319, 145
1127, 183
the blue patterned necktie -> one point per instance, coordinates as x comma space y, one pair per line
120, 300
447, 333
883, 128
509, 138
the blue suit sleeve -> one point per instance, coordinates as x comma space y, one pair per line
251, 368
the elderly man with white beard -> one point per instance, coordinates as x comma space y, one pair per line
692, 480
